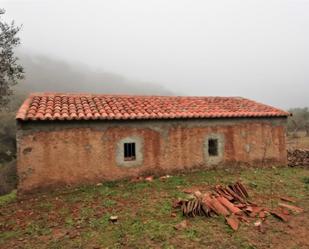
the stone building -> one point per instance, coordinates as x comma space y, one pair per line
70, 139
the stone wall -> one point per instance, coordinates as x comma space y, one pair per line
74, 152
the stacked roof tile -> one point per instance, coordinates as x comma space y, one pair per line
55, 106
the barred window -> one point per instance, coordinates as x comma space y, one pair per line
213, 147
129, 151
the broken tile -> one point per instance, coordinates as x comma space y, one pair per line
233, 222
262, 214
190, 190
256, 209
182, 225
258, 223
288, 199
219, 208
149, 178
279, 215
291, 207
230, 206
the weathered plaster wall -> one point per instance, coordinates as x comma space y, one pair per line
61, 153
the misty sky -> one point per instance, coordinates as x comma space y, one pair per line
256, 49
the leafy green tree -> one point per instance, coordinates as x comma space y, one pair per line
10, 70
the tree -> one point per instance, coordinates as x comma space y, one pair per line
10, 70
299, 120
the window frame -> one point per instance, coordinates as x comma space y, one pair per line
214, 159
129, 151
120, 159
213, 147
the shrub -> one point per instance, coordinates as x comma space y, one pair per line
8, 177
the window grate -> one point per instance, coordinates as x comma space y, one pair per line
213, 147
129, 152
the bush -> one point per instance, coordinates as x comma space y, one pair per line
7, 136
8, 129
8, 177
5, 199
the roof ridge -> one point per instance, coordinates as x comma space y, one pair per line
39, 94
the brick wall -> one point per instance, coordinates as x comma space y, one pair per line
74, 152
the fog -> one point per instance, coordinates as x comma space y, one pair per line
255, 49
45, 74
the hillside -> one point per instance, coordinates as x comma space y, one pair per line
45, 73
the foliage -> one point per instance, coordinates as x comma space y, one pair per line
8, 177
5, 199
10, 70
8, 129
7, 136
299, 120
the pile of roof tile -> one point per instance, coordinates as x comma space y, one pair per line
232, 202
298, 157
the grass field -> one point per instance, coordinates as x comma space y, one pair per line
79, 218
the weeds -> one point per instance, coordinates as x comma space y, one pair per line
5, 199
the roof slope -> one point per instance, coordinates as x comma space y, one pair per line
60, 106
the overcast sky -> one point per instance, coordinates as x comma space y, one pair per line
256, 49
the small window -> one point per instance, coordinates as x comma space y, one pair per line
129, 152
213, 147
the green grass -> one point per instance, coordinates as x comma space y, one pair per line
5, 199
144, 214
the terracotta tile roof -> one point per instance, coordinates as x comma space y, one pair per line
59, 106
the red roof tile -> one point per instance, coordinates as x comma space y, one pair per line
59, 106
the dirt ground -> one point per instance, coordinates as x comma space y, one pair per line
79, 218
